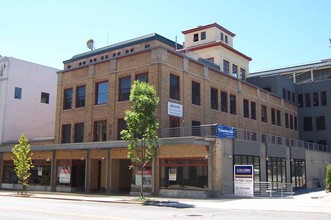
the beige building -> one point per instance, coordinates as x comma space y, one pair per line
93, 93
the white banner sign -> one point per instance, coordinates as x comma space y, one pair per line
175, 109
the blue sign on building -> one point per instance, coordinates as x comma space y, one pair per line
226, 131
243, 170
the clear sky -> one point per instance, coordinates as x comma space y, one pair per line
274, 33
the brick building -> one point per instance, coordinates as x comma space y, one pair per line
195, 95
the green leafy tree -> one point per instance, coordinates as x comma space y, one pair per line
328, 178
141, 127
22, 162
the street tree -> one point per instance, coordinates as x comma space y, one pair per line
142, 126
22, 162
328, 178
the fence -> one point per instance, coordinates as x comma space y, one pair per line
210, 131
261, 190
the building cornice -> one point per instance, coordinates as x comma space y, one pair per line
200, 28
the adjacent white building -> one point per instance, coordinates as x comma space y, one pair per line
27, 100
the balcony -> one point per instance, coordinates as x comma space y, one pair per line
211, 131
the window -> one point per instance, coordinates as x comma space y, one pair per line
66, 133
267, 89
118, 53
174, 87
101, 93
79, 133
242, 73
190, 172
100, 131
300, 100
315, 99
195, 93
295, 123
195, 37
67, 98
288, 95
196, 128
286, 120
131, 50
18, 93
279, 119
222, 37
233, 108
203, 35
224, 101
293, 97
124, 89
320, 123
307, 124
323, 98
284, 93
226, 38
211, 59
264, 113
214, 98
249, 160
80, 96
291, 122
143, 77
253, 110
308, 99
126, 51
276, 169
226, 66
234, 70
121, 125
246, 108
44, 98
273, 116
147, 46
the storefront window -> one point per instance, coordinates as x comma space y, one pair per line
276, 168
298, 173
71, 173
249, 160
9, 175
40, 173
188, 173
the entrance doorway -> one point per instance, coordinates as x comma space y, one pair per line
121, 176
298, 173
97, 176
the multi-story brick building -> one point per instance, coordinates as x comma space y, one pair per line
93, 93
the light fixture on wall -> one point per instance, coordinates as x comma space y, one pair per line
313, 161
48, 159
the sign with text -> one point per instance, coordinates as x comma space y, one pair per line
175, 109
172, 174
226, 131
243, 180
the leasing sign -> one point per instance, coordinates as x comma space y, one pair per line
243, 180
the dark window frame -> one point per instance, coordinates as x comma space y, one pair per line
80, 96
79, 132
174, 87
124, 87
67, 98
44, 97
99, 95
196, 93
214, 98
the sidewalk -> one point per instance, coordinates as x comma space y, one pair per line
305, 201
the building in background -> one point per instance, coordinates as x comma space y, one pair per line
309, 86
27, 101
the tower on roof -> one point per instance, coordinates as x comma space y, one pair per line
215, 44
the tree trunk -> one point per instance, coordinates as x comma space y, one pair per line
142, 182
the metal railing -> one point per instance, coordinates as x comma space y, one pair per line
210, 131
261, 190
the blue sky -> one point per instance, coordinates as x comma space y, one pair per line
274, 33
